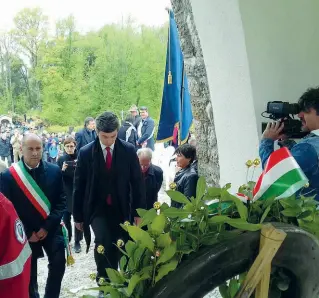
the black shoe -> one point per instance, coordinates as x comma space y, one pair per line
77, 247
101, 294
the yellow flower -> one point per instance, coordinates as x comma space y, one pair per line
306, 185
256, 162
100, 249
120, 243
93, 276
157, 205
172, 186
101, 281
127, 223
249, 163
157, 254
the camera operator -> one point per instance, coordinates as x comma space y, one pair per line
306, 152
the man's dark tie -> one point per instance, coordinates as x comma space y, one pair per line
108, 163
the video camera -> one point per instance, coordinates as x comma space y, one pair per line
285, 111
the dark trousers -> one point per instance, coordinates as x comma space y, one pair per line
54, 248
107, 230
78, 235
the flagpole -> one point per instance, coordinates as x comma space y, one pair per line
182, 105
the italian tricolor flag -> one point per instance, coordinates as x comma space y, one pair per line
281, 178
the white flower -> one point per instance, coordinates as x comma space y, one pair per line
189, 216
202, 208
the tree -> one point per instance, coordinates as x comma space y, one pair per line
207, 150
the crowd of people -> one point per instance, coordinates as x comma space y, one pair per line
99, 175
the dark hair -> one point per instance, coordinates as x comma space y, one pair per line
187, 150
69, 140
130, 118
107, 122
144, 109
87, 121
310, 99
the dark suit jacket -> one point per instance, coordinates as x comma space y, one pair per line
153, 182
68, 177
83, 138
147, 130
49, 178
186, 182
122, 134
125, 183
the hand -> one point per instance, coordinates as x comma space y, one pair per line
64, 166
137, 220
79, 226
273, 131
42, 233
34, 238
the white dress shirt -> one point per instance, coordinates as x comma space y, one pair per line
104, 150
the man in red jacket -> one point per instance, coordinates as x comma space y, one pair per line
15, 253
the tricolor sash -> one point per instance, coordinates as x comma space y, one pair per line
38, 199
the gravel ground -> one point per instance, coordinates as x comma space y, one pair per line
76, 281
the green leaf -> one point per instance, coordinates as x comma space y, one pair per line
167, 253
202, 226
148, 217
305, 214
243, 225
163, 240
201, 188
241, 208
233, 287
177, 197
173, 212
138, 253
218, 219
310, 227
138, 234
135, 279
115, 276
223, 290
158, 223
290, 202
165, 269
291, 212
268, 202
141, 212
130, 246
227, 186
265, 214
214, 192
164, 206
123, 263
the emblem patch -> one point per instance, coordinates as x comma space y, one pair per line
19, 231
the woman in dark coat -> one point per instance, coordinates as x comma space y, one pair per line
67, 163
127, 131
186, 178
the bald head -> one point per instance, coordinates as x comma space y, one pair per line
30, 137
32, 149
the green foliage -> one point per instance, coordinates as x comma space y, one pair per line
72, 75
169, 234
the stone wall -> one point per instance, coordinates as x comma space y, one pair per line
198, 85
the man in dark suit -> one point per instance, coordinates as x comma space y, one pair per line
145, 130
108, 186
40, 209
153, 176
86, 135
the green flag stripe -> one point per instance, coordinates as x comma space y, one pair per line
282, 184
34, 185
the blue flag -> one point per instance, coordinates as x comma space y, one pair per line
176, 105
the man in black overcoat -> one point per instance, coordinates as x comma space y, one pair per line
108, 188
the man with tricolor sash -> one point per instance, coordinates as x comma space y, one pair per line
35, 188
279, 169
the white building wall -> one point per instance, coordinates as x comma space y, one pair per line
282, 42
222, 39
